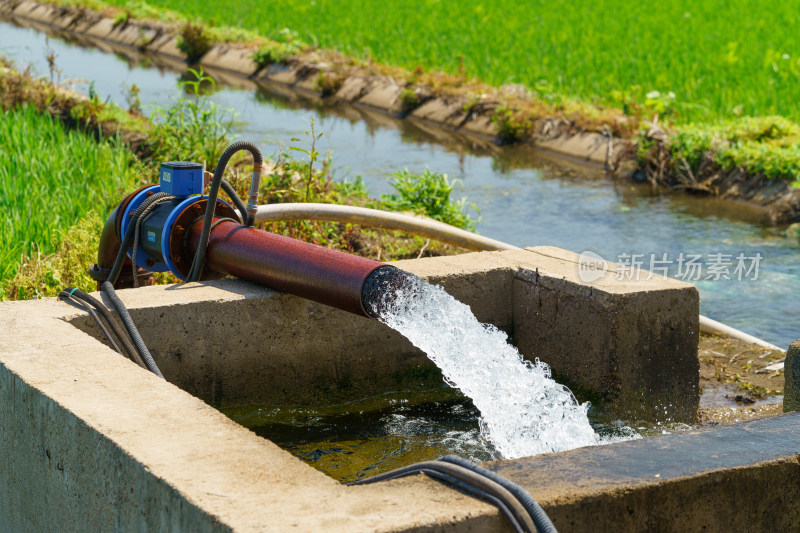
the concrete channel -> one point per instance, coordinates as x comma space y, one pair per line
93, 442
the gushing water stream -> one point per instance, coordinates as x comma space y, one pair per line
523, 410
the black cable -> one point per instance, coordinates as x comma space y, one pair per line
522, 511
231, 192
127, 321
198, 262
540, 518
65, 295
132, 354
93, 307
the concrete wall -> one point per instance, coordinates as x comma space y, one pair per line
91, 442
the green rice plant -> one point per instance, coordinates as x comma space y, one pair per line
428, 194
68, 266
49, 179
720, 58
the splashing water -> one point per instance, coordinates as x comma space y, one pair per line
523, 411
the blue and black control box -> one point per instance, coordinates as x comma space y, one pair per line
182, 178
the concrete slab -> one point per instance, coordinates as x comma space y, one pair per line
632, 341
441, 111
589, 146
743, 477
384, 95
791, 376
352, 89
230, 58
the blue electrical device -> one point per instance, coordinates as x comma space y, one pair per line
185, 181
182, 178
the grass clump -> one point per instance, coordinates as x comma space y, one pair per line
286, 43
43, 275
50, 178
428, 194
328, 83
194, 41
512, 125
769, 146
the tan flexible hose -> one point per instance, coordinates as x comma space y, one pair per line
424, 227
439, 231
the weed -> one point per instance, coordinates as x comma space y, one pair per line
122, 18
512, 125
286, 44
328, 83
428, 194
50, 57
312, 155
194, 41
133, 100
193, 128
409, 98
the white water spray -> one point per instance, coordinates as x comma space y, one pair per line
523, 411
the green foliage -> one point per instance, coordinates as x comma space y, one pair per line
428, 194
122, 18
194, 41
512, 125
286, 44
312, 154
764, 145
49, 179
410, 98
193, 128
46, 275
328, 83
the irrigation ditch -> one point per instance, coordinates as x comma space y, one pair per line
478, 112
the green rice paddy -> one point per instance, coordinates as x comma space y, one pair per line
719, 58
50, 178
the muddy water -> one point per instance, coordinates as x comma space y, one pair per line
523, 197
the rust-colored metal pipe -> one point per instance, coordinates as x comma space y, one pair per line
320, 274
